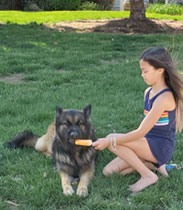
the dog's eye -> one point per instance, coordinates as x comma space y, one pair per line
80, 123
66, 122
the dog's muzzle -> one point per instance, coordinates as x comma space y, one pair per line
73, 136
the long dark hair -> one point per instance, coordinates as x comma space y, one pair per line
159, 57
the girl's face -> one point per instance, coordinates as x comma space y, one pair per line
150, 75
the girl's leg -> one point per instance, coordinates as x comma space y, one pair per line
132, 153
120, 166
115, 166
162, 170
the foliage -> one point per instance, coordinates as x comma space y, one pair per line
11, 5
161, 1
51, 5
171, 9
90, 6
106, 4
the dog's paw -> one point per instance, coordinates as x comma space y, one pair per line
82, 191
68, 190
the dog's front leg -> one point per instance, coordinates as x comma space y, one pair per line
85, 177
66, 184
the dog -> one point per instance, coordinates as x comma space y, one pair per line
70, 160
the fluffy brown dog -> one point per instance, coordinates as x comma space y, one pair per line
70, 160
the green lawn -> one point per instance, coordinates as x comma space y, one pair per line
55, 16
73, 70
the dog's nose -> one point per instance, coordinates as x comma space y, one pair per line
74, 135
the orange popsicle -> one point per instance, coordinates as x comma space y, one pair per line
83, 142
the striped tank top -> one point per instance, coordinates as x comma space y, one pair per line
165, 127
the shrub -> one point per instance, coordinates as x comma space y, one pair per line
105, 4
89, 6
58, 4
11, 4
170, 9
161, 1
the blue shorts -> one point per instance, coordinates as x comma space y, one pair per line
161, 148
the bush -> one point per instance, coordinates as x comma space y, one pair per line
58, 4
105, 4
89, 6
11, 5
161, 2
170, 9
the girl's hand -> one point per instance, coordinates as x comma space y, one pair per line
101, 143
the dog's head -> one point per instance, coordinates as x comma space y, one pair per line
73, 124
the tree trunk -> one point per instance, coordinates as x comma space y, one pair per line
137, 10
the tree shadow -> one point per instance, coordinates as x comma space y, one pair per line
124, 26
149, 26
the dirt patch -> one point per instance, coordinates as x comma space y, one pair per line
120, 26
12, 79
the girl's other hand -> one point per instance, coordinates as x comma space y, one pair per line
101, 143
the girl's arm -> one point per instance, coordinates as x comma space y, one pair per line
162, 103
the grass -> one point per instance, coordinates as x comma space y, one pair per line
20, 17
74, 70
55, 16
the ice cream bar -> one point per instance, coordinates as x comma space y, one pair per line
83, 142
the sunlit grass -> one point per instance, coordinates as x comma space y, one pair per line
19, 17
55, 16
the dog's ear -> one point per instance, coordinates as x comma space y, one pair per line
87, 111
58, 111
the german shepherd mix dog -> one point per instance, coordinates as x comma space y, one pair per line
70, 160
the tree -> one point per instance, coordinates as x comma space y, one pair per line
137, 22
137, 10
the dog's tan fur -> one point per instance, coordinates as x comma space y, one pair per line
44, 143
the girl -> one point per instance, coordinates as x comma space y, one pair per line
153, 142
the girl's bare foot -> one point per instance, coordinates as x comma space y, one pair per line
143, 183
162, 170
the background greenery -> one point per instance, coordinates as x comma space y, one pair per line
49, 5
74, 70
52, 5
58, 4
171, 9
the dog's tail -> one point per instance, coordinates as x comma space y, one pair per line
25, 138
